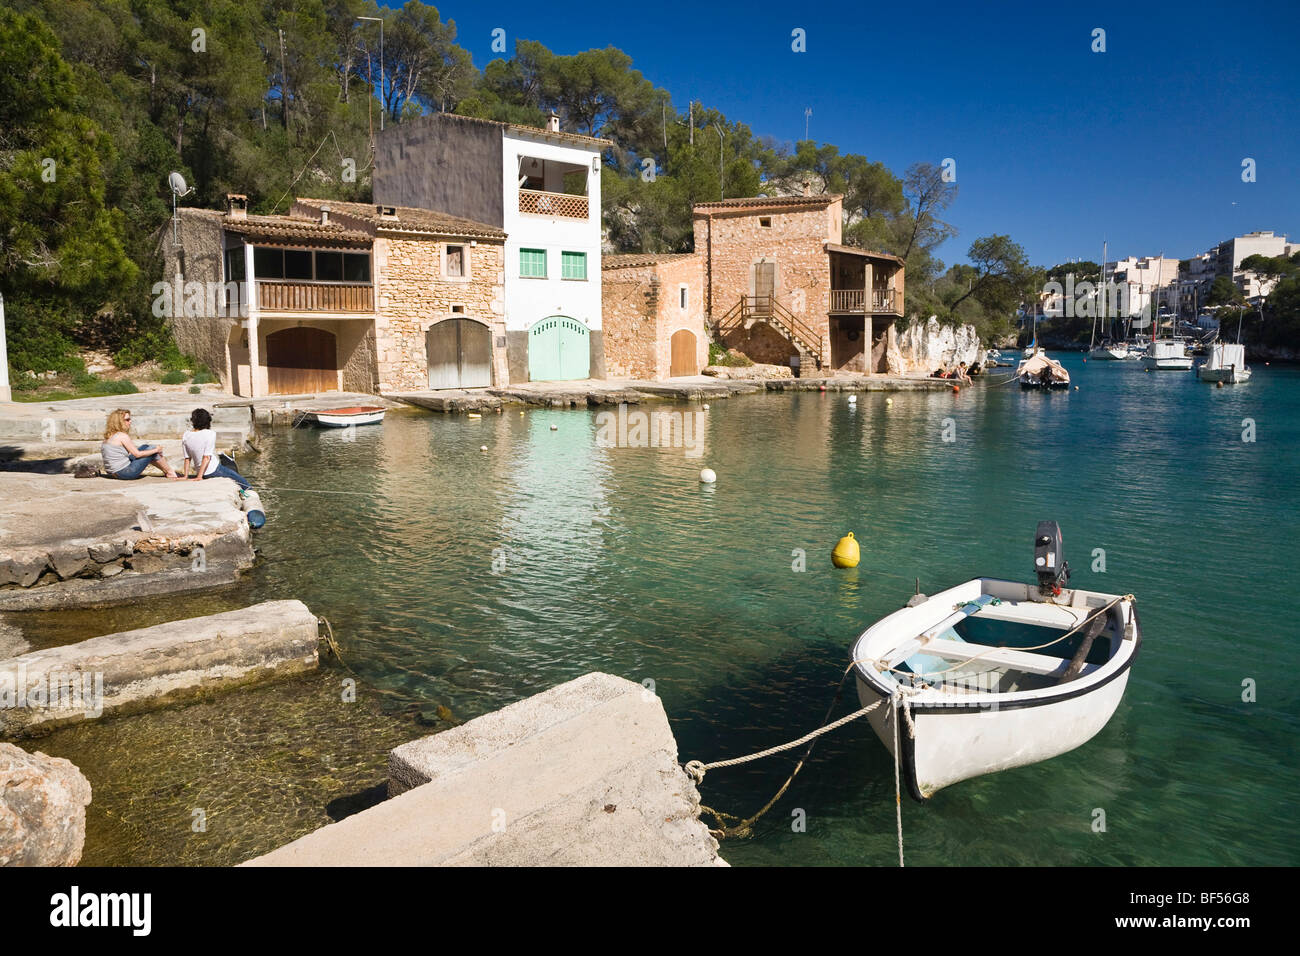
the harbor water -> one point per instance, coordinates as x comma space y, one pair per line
459, 580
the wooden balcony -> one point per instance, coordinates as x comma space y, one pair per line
289, 295
854, 301
539, 203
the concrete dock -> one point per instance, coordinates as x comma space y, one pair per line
154, 666
74, 542
592, 393
584, 774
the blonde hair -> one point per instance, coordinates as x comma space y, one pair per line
117, 422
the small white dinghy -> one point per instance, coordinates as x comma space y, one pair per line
995, 674
343, 417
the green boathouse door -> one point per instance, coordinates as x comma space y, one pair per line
559, 350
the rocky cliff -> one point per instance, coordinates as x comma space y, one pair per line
923, 347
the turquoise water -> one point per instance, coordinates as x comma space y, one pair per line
468, 579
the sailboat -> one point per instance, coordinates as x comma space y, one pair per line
1106, 350
1034, 348
1226, 363
1167, 354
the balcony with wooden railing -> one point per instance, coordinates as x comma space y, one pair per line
537, 202
290, 295
854, 301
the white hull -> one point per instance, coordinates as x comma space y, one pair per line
1173, 364
343, 421
1115, 354
964, 731
952, 747
1228, 376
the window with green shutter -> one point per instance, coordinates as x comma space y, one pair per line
532, 263
573, 265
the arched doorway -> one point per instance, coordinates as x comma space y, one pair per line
301, 359
682, 349
559, 350
459, 352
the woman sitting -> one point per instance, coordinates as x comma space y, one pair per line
200, 446
122, 459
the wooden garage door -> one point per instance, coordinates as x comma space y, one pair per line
683, 353
460, 354
301, 360
559, 350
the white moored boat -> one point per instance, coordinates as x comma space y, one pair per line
989, 676
1118, 352
1167, 355
343, 417
1226, 363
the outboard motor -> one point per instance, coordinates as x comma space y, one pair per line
1049, 557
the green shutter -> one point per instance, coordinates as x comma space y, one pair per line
532, 263
573, 265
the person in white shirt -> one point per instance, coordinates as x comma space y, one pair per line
200, 446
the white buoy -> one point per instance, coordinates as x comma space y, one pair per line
555, 428
889, 401
853, 398
707, 476
482, 447
705, 406
251, 505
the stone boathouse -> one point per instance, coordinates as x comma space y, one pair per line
781, 287
337, 295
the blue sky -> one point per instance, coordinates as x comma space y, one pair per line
1055, 145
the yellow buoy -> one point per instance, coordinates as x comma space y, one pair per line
846, 553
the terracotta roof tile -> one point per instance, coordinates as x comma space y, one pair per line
293, 228
775, 202
409, 219
626, 260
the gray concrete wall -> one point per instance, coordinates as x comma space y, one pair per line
443, 162
585, 773
153, 666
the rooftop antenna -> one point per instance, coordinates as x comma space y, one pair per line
179, 191
807, 114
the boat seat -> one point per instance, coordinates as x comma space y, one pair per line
1024, 661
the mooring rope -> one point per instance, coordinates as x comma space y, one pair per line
744, 828
333, 644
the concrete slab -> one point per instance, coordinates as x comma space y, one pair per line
78, 542
154, 666
585, 773
154, 415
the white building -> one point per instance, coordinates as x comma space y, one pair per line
542, 186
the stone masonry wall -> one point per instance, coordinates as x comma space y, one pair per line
640, 311
414, 295
628, 303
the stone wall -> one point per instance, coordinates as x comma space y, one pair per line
641, 310
197, 259
925, 346
414, 295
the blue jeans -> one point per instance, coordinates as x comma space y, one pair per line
221, 471
138, 464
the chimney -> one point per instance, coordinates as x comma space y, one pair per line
807, 187
236, 206
386, 212
553, 122
324, 215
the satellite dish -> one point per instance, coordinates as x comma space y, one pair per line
177, 183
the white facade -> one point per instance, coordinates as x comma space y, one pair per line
529, 300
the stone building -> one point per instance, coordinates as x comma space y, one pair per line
542, 187
343, 295
653, 315
781, 287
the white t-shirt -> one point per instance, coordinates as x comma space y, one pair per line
200, 443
